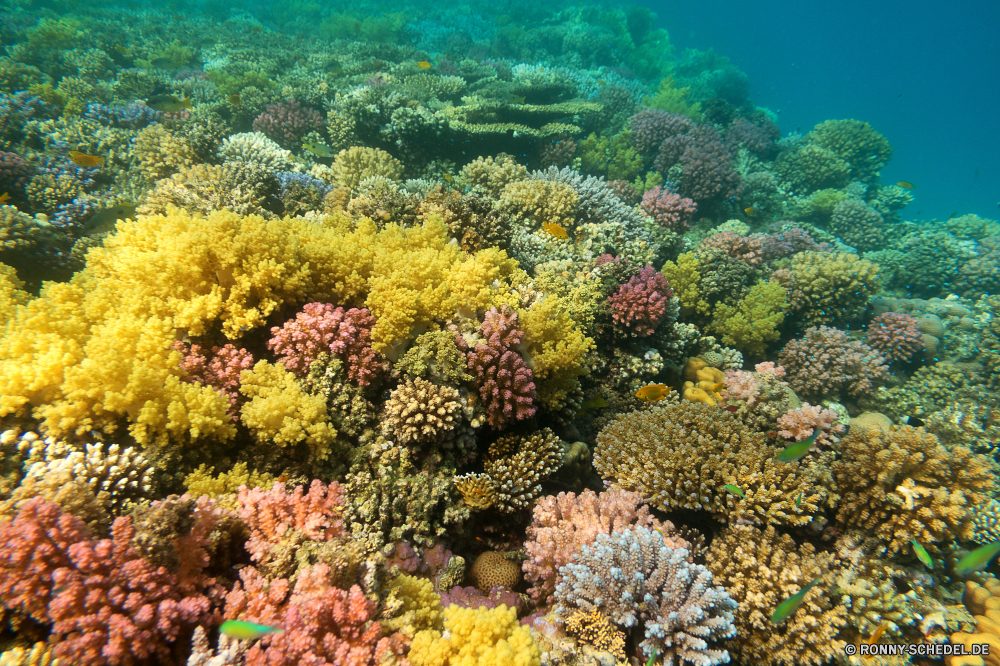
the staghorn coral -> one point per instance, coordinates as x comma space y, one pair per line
421, 412
826, 362
650, 590
476, 637
904, 484
760, 569
643, 303
562, 523
896, 335
353, 165
698, 450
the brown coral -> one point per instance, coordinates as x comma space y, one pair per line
491, 569
905, 484
419, 411
595, 628
161, 153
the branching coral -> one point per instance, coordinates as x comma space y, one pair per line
421, 412
353, 165
645, 586
754, 321
161, 153
476, 637
858, 225
904, 484
541, 202
825, 361
287, 122
802, 422
493, 174
829, 288
855, 142
255, 148
896, 335
642, 303
683, 456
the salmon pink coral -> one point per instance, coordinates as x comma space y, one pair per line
801, 423
642, 303
668, 209
896, 335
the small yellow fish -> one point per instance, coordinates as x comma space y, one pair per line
235, 100
602, 82
597, 402
4, 198
750, 211
168, 103
652, 392
318, 149
163, 63
556, 230
85, 160
256, 28
423, 64
121, 49
877, 634
447, 176
906, 185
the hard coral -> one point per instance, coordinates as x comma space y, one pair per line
476, 637
826, 362
896, 335
642, 303
829, 288
421, 412
668, 209
288, 122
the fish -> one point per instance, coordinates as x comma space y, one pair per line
732, 408
104, 221
447, 176
914, 421
4, 198
163, 63
602, 82
977, 559
922, 554
168, 103
318, 149
511, 98
905, 185
798, 501
235, 100
652, 392
652, 658
256, 28
877, 634
121, 49
735, 490
796, 451
556, 230
597, 402
788, 607
248, 631
953, 215
85, 160
749, 211
423, 64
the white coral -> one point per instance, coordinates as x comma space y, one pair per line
256, 148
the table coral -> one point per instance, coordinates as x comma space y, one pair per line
698, 449
680, 609
826, 362
896, 335
476, 637
762, 569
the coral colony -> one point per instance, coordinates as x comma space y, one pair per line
330, 338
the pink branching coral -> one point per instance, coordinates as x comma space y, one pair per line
769, 368
748, 248
640, 304
625, 191
896, 335
221, 371
741, 385
323, 625
321, 327
106, 604
788, 242
275, 515
288, 122
668, 209
562, 523
825, 361
505, 381
801, 423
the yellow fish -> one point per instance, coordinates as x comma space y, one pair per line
4, 198
749, 211
652, 392
168, 103
318, 149
877, 634
235, 100
596, 402
423, 64
906, 185
85, 160
447, 176
121, 49
602, 82
556, 230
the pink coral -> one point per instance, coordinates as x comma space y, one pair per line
799, 424
562, 523
896, 335
470, 597
505, 381
788, 242
640, 304
769, 368
625, 191
323, 625
743, 386
825, 361
748, 248
221, 371
321, 327
107, 605
668, 209
275, 515
288, 122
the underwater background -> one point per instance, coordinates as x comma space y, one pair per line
498, 333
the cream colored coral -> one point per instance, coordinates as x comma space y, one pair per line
517, 466
40, 654
477, 490
161, 153
830, 288
255, 147
420, 411
492, 174
414, 604
476, 637
196, 189
540, 202
11, 294
352, 165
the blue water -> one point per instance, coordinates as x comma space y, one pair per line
925, 74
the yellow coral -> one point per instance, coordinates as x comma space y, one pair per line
11, 294
596, 628
280, 411
754, 322
477, 490
984, 603
492, 174
556, 348
161, 153
540, 202
476, 637
684, 278
201, 482
415, 606
352, 165
831, 288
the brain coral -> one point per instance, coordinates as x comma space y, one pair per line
683, 456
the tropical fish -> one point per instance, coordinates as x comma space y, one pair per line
511, 98
556, 230
163, 63
652, 392
168, 103
423, 64
104, 221
788, 607
735, 490
334, 67
922, 554
914, 421
977, 559
85, 160
447, 176
235, 100
906, 185
796, 451
597, 402
798, 501
4, 198
602, 82
121, 49
319, 149
953, 215
749, 211
256, 28
247, 631
877, 634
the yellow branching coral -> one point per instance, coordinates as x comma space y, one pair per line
832, 288
477, 490
905, 484
762, 569
595, 628
11, 294
754, 322
555, 347
161, 153
682, 457
201, 482
412, 605
280, 411
493, 174
352, 165
684, 277
196, 189
420, 411
476, 637
540, 202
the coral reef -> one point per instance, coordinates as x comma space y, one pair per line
825, 361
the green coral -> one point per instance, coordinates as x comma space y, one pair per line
434, 356
810, 168
831, 288
672, 99
754, 322
612, 157
855, 142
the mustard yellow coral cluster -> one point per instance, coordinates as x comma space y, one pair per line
476, 637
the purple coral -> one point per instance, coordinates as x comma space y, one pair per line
14, 173
287, 122
470, 597
321, 327
707, 173
668, 209
505, 381
758, 138
825, 361
788, 242
640, 304
220, 370
625, 191
652, 126
896, 335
